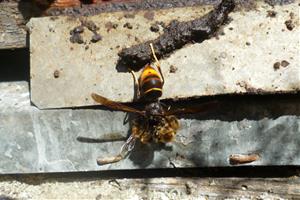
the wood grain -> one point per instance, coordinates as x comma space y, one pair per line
38, 187
12, 26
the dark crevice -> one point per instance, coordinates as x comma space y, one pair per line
14, 65
86, 1
231, 107
220, 172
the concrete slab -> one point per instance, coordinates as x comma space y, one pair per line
36, 141
258, 53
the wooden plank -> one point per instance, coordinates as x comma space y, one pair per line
15, 14
247, 58
13, 17
35, 141
13, 33
37, 187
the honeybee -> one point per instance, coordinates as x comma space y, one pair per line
156, 123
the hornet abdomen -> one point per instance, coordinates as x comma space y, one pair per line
150, 84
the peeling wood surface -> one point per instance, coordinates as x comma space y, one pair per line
39, 141
12, 24
33, 187
256, 54
15, 36
15, 14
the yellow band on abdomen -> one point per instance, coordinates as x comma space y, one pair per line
148, 71
153, 89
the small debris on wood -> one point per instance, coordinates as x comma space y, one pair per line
96, 37
176, 35
90, 25
51, 30
244, 187
162, 24
75, 34
127, 25
115, 183
250, 89
154, 28
237, 159
76, 38
289, 24
271, 13
110, 25
292, 15
137, 39
188, 189
78, 29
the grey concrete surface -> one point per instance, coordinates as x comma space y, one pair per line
245, 59
47, 140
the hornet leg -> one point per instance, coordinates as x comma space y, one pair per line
136, 84
125, 151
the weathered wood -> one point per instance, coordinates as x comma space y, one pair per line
13, 16
36, 187
35, 140
256, 54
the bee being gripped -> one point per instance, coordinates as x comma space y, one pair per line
156, 122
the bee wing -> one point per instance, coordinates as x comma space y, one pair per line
114, 105
205, 107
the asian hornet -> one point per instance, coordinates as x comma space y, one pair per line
156, 123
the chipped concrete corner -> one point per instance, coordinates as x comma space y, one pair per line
258, 52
